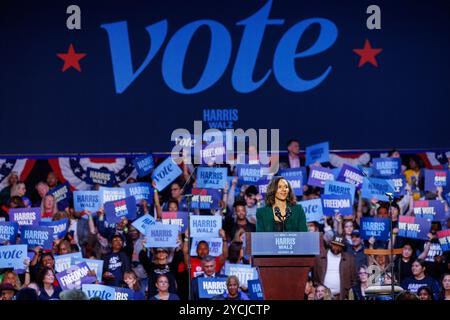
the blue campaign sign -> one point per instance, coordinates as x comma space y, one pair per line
262, 186
117, 209
140, 191
379, 228
433, 210
123, 294
435, 178
386, 167
166, 173
313, 210
86, 200
65, 261
99, 291
75, 276
255, 290
142, 223
215, 246
333, 204
102, 177
368, 171
340, 188
111, 194
250, 173
413, 227
25, 216
205, 226
161, 235
244, 272
37, 236
444, 239
318, 153
62, 194
318, 176
210, 287
179, 218
399, 183
205, 198
8, 232
144, 165
351, 175
59, 227
295, 177
12, 256
376, 188
93, 264
211, 177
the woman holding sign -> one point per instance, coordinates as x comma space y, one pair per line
281, 212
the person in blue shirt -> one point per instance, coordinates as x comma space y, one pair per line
232, 292
115, 263
419, 279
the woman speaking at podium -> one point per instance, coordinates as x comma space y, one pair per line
281, 212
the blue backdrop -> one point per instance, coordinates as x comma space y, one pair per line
404, 102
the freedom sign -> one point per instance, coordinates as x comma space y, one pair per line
205, 226
25, 216
75, 276
262, 186
295, 177
86, 200
37, 236
318, 153
179, 218
12, 256
244, 272
111, 194
333, 204
162, 236
434, 179
117, 209
318, 176
351, 175
211, 177
340, 188
8, 232
102, 177
166, 173
62, 194
433, 210
59, 227
142, 223
386, 167
413, 227
376, 188
140, 191
144, 165
210, 287
444, 239
65, 261
214, 244
205, 198
93, 264
379, 228
313, 210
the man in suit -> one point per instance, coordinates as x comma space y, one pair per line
292, 159
209, 271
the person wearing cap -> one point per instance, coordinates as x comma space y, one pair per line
357, 249
335, 269
115, 263
281, 213
7, 291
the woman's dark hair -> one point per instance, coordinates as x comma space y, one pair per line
45, 254
137, 285
173, 201
41, 275
272, 189
422, 262
428, 290
442, 293
162, 275
392, 151
234, 251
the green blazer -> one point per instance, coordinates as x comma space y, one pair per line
266, 223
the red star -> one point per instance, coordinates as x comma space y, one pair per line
367, 54
71, 59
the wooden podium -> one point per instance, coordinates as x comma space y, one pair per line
284, 277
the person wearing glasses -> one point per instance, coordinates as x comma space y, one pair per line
357, 292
